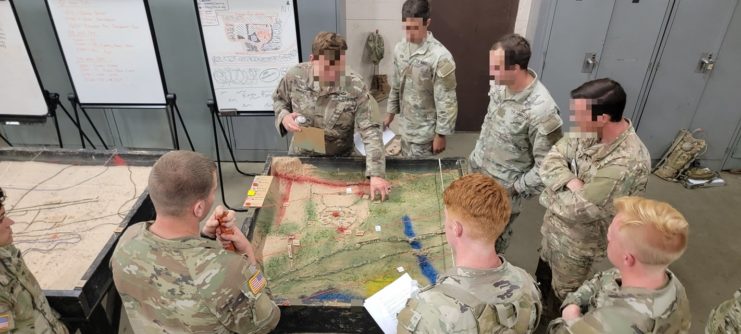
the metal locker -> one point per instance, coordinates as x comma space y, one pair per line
686, 64
630, 45
574, 47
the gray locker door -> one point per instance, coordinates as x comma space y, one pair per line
631, 42
698, 28
315, 16
579, 27
719, 112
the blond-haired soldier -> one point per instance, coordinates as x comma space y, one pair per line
639, 295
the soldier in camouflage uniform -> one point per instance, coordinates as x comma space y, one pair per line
422, 86
587, 169
484, 293
171, 279
639, 295
328, 99
23, 306
726, 318
521, 126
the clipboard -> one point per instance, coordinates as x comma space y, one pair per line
310, 139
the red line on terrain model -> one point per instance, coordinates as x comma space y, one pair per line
316, 180
290, 178
284, 197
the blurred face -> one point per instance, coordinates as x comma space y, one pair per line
415, 29
497, 69
6, 233
581, 116
328, 68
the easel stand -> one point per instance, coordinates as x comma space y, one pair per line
75, 106
52, 101
216, 118
5, 140
173, 110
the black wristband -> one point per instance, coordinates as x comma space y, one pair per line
207, 237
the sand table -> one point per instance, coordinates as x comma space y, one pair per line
64, 214
325, 241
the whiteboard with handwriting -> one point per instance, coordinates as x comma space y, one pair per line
109, 51
20, 92
250, 44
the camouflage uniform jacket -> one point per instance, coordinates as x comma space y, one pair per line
189, 285
726, 318
338, 109
23, 306
610, 308
423, 90
518, 131
500, 300
580, 218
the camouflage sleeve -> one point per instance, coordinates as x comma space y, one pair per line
446, 102
726, 318
602, 320
584, 293
393, 106
282, 104
408, 318
370, 131
433, 312
544, 133
239, 296
554, 168
594, 200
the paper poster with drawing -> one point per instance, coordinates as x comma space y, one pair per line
250, 45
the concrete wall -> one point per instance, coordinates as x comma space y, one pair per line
362, 18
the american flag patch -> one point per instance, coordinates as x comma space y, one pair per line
4, 321
257, 282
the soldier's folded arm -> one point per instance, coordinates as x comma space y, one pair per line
282, 104
393, 104
598, 321
446, 102
371, 133
544, 132
554, 169
583, 294
589, 203
242, 302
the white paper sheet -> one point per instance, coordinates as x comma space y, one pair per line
360, 146
384, 305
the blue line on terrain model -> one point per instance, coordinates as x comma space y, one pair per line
332, 295
424, 263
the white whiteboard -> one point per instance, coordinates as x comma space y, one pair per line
109, 51
250, 45
20, 92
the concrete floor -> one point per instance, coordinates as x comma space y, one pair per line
709, 269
